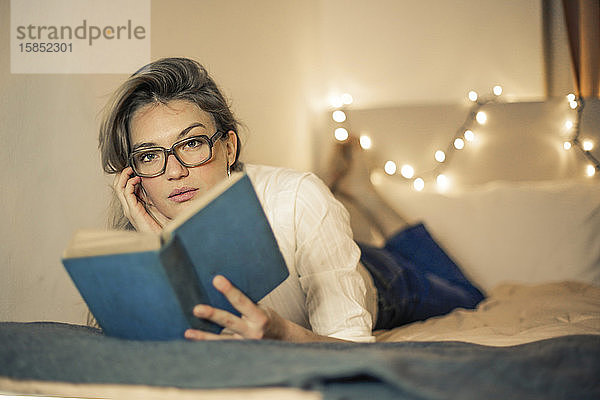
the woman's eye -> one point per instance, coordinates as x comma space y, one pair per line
193, 144
147, 157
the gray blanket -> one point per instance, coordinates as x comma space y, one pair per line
562, 368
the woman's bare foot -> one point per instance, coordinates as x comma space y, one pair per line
352, 175
350, 182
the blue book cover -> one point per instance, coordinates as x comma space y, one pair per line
144, 286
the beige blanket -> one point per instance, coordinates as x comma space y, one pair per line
513, 314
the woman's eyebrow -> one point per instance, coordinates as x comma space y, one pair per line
181, 135
189, 128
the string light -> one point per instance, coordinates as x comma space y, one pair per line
390, 167
341, 134
473, 95
586, 146
590, 170
469, 135
339, 116
443, 183
481, 117
407, 171
459, 144
365, 142
336, 101
419, 184
347, 99
440, 156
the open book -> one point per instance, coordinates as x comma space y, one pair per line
144, 286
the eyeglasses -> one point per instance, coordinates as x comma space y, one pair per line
190, 152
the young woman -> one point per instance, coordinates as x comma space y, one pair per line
169, 135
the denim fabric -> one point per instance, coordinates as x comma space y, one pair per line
416, 279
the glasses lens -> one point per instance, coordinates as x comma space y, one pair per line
148, 162
193, 151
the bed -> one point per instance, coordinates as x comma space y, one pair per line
533, 247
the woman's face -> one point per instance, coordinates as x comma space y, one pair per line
161, 125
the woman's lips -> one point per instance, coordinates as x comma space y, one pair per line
183, 194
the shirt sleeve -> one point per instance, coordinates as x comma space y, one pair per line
327, 263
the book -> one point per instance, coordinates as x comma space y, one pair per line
144, 286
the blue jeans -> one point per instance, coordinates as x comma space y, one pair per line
416, 279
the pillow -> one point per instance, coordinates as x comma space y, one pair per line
526, 232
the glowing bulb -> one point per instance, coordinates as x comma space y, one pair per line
390, 167
566, 145
341, 134
590, 170
443, 182
469, 135
459, 144
407, 171
339, 116
347, 98
588, 145
481, 117
365, 142
568, 124
473, 95
573, 104
440, 156
336, 101
571, 97
497, 90
419, 184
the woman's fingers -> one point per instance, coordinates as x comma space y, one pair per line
120, 186
240, 301
227, 320
158, 216
252, 325
194, 334
127, 189
121, 179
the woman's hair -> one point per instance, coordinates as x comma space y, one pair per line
159, 82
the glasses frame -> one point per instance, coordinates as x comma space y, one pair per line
167, 152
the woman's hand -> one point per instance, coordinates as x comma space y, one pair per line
143, 216
255, 322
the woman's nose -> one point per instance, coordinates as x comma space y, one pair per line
174, 169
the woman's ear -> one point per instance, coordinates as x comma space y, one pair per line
231, 146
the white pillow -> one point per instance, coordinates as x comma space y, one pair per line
529, 232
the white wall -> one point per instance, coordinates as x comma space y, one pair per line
391, 52
278, 61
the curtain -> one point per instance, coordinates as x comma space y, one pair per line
583, 28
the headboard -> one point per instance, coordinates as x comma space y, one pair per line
520, 207
520, 141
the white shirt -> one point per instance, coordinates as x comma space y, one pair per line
328, 291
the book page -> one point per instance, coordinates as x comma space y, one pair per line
87, 243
